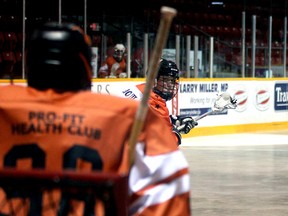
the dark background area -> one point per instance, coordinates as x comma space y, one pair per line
114, 19
123, 13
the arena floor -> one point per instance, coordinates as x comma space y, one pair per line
239, 175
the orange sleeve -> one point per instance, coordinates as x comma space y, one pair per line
110, 61
158, 105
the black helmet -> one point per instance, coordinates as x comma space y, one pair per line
59, 57
168, 68
167, 81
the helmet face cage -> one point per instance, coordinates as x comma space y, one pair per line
166, 87
167, 81
119, 51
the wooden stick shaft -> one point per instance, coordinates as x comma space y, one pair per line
167, 15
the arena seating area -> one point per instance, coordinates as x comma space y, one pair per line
202, 18
224, 23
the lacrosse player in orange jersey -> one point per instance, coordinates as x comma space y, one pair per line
56, 123
165, 89
114, 66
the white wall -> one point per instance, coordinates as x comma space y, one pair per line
260, 100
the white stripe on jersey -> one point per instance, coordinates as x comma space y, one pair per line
151, 170
161, 193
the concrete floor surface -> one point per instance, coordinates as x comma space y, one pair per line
239, 175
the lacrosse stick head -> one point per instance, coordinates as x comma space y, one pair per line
224, 101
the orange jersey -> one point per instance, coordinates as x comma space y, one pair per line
112, 66
86, 131
157, 104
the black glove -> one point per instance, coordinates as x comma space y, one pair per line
183, 124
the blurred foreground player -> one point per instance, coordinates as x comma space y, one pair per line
57, 123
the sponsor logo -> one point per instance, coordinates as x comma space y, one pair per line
262, 99
281, 96
241, 96
200, 111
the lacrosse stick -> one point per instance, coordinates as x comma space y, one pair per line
167, 15
223, 101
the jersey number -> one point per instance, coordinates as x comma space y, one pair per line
38, 156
